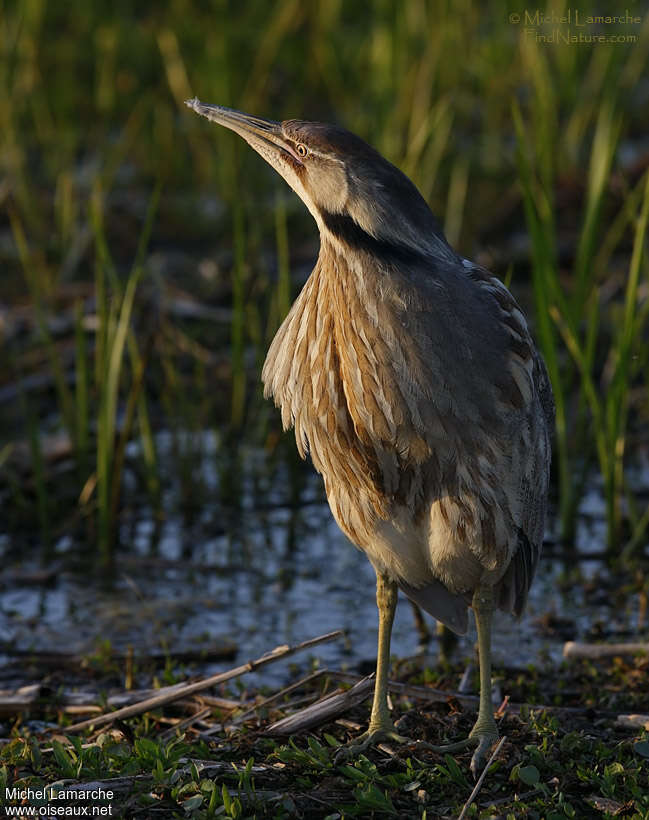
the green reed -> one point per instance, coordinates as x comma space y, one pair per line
91, 98
592, 393
115, 304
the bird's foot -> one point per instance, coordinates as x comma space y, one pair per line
485, 740
482, 737
372, 737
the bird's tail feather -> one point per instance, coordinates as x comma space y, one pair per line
447, 607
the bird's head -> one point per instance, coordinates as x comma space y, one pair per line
349, 188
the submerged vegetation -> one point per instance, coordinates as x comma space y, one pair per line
147, 260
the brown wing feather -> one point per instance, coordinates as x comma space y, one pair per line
421, 393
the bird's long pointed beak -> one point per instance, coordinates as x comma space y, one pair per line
265, 136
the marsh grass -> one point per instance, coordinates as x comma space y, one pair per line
92, 115
114, 309
609, 403
555, 764
606, 341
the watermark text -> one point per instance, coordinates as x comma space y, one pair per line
57, 801
574, 26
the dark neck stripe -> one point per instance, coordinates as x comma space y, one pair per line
345, 229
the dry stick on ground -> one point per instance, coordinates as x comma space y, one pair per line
223, 650
324, 711
443, 696
425, 692
19, 700
190, 688
277, 696
28, 698
593, 651
478, 785
632, 722
136, 695
185, 723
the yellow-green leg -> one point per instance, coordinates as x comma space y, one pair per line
485, 731
381, 727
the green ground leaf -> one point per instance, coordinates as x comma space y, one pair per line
529, 775
193, 803
642, 748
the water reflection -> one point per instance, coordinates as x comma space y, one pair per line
275, 569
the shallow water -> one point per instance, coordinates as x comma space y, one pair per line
273, 572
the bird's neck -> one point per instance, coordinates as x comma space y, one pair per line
347, 238
384, 244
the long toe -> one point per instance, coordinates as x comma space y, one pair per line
482, 738
485, 741
370, 738
450, 748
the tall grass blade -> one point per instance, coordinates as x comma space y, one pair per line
540, 221
114, 332
81, 395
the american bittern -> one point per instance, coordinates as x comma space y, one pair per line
410, 377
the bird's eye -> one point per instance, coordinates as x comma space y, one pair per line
301, 149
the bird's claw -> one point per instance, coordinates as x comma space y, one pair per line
372, 737
485, 742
